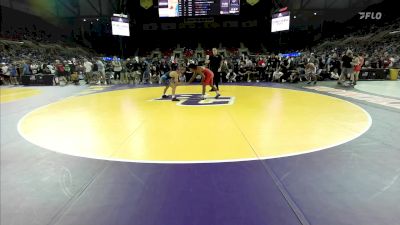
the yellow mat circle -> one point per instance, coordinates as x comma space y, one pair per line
14, 94
259, 123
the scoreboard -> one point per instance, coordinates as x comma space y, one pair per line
193, 8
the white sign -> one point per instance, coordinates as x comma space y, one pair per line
280, 22
120, 26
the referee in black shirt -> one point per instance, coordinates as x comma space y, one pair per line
215, 63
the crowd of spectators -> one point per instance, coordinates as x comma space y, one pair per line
234, 68
329, 60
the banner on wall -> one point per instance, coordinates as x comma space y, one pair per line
249, 23
168, 26
150, 26
252, 2
230, 24
146, 4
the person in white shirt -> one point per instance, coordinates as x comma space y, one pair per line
277, 75
5, 73
311, 72
4, 69
117, 67
88, 66
102, 71
334, 74
51, 69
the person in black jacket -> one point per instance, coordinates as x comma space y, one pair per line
347, 67
215, 63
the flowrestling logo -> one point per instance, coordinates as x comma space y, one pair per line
370, 15
195, 100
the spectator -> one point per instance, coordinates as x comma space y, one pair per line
88, 68
117, 68
347, 68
